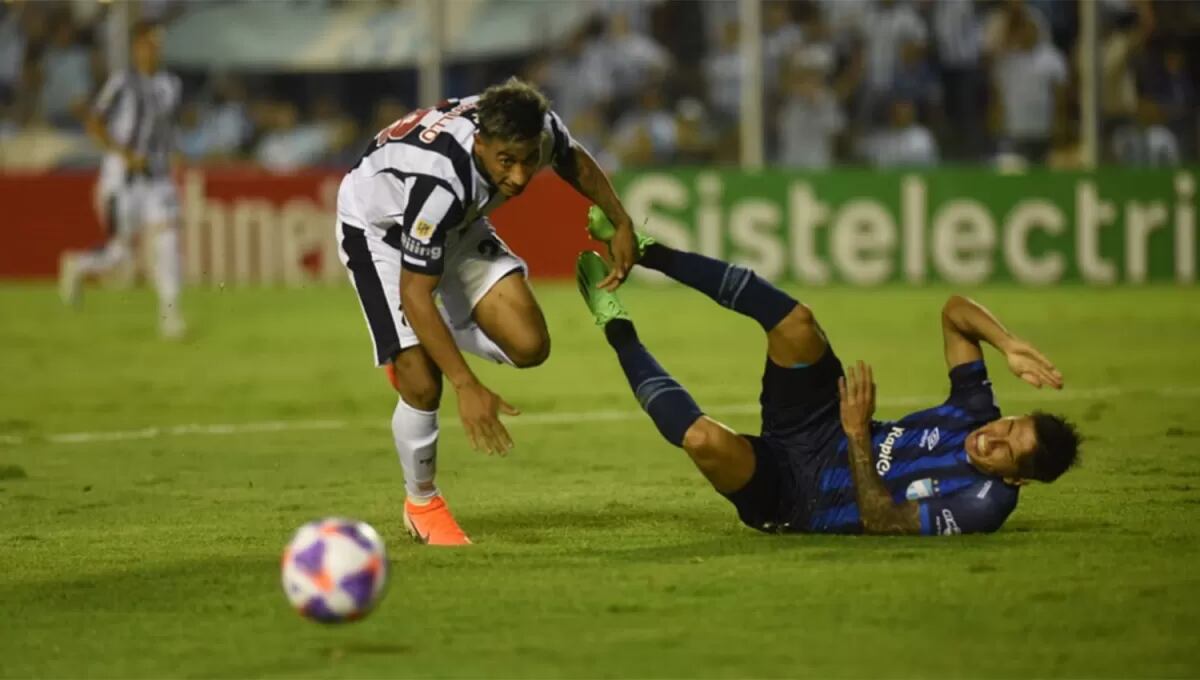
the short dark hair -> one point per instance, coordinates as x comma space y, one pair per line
512, 112
1057, 446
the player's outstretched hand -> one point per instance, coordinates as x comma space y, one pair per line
856, 393
623, 247
1030, 365
478, 407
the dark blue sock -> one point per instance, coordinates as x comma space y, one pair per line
670, 406
730, 285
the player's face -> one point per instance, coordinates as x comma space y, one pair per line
148, 47
1001, 447
510, 165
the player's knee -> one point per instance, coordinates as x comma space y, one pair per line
701, 443
529, 351
418, 386
798, 322
425, 395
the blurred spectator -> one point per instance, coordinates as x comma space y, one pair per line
959, 38
12, 52
648, 134
1029, 77
845, 19
578, 80
66, 77
782, 36
998, 26
632, 58
219, 131
1146, 143
889, 30
1118, 89
905, 143
916, 80
387, 110
723, 70
1173, 88
287, 145
809, 117
696, 136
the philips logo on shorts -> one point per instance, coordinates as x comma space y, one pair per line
885, 451
414, 247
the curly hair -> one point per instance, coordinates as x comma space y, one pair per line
513, 111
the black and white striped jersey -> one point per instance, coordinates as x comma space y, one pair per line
418, 180
139, 111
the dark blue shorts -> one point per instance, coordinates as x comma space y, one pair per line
801, 431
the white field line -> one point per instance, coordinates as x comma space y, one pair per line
566, 418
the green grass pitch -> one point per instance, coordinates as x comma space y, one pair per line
600, 551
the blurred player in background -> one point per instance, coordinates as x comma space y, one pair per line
412, 224
821, 464
133, 119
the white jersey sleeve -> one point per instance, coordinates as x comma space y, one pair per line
107, 99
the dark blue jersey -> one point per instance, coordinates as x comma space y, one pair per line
922, 458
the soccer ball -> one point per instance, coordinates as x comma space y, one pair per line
334, 570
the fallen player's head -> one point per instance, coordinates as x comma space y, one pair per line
511, 119
1037, 446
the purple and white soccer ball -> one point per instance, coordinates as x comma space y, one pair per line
335, 570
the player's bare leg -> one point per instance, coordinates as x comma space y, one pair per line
724, 457
797, 340
415, 431
510, 315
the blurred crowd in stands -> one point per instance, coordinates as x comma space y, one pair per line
879, 83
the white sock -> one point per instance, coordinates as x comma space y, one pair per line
472, 339
416, 434
167, 269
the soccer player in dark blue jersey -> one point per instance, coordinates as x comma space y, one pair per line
821, 463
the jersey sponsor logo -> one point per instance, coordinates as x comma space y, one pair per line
946, 525
922, 488
930, 438
414, 247
885, 451
423, 230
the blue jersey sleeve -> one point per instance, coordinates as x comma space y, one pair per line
971, 391
979, 508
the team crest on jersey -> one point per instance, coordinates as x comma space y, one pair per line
423, 230
922, 488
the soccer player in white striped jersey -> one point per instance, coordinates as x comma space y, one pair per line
133, 119
412, 225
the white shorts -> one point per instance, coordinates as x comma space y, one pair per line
131, 206
476, 259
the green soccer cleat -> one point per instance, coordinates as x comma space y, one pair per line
590, 270
601, 229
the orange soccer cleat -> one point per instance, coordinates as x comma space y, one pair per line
432, 523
